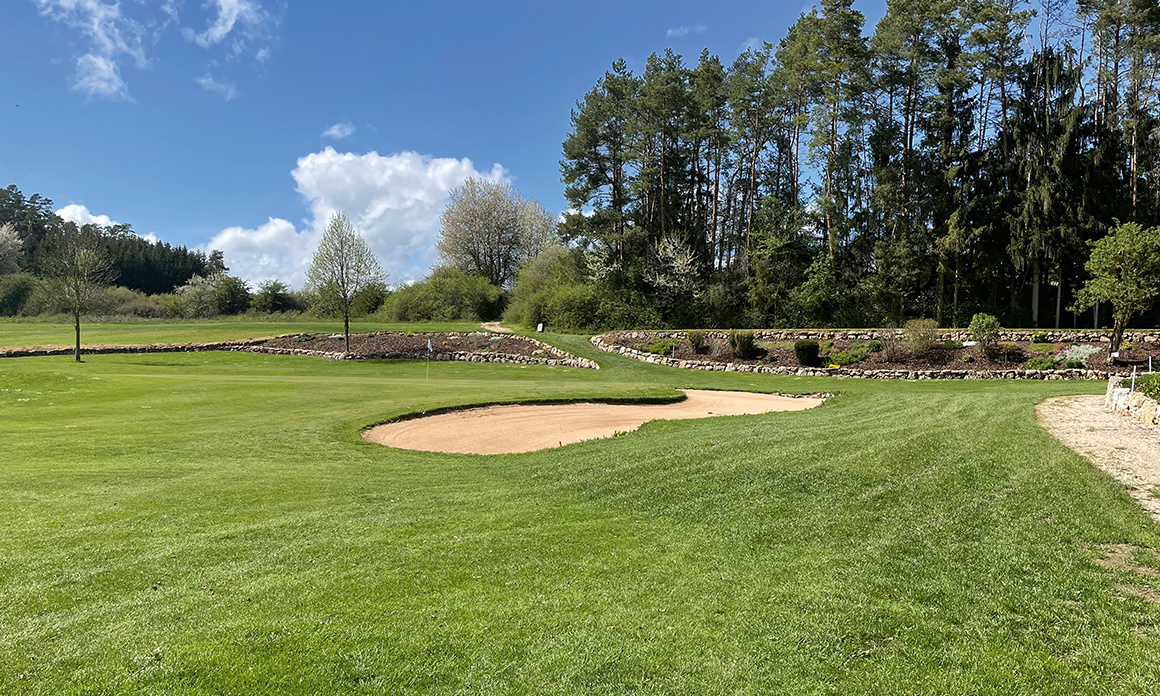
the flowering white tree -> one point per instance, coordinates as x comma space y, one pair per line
10, 248
343, 265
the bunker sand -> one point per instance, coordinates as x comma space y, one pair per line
526, 428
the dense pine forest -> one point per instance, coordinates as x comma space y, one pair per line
958, 157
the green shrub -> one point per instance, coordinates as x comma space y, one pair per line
230, 295
952, 344
855, 354
15, 289
968, 358
696, 341
807, 352
984, 329
742, 345
661, 346
275, 296
448, 294
1040, 363
920, 336
1148, 384
1039, 337
1074, 364
874, 346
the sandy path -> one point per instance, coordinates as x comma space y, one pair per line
1127, 450
495, 327
508, 429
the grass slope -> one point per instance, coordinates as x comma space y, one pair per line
40, 333
211, 523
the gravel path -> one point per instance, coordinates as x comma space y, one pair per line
1127, 450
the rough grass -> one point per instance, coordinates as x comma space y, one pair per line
212, 523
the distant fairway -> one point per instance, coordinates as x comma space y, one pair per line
212, 523
39, 333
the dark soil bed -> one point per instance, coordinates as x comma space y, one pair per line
412, 345
1007, 356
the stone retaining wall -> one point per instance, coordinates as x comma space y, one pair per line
1053, 335
558, 357
1074, 374
1130, 404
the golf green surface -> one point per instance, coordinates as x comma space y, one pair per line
212, 523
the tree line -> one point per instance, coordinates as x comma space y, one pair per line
962, 157
149, 267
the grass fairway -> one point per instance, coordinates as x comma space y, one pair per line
41, 333
212, 524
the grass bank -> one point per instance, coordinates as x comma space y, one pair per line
212, 523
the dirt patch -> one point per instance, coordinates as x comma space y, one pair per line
511, 429
1119, 557
399, 345
496, 327
1127, 450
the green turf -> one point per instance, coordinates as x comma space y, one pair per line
39, 333
212, 524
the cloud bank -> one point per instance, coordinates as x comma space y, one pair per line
394, 200
82, 216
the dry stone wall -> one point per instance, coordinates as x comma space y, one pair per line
551, 355
1053, 335
1054, 375
1132, 404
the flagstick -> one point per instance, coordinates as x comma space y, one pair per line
428, 366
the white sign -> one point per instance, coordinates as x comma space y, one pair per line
540, 327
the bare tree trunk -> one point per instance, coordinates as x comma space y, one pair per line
1059, 297
346, 327
1035, 297
77, 325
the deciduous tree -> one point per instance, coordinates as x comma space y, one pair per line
343, 265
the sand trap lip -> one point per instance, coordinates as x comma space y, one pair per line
526, 428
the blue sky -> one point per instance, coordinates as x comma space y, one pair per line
242, 124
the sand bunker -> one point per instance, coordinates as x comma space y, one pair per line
510, 429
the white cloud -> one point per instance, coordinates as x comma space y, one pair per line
339, 131
248, 16
109, 34
394, 200
81, 216
750, 43
208, 82
678, 32
116, 32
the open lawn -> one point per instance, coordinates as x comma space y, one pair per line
212, 523
41, 333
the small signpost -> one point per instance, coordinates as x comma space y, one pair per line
540, 327
429, 350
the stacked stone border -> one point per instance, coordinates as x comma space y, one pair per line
1131, 404
712, 366
559, 358
1150, 336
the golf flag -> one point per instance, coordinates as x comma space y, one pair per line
429, 349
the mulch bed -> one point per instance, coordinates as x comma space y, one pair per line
413, 345
941, 358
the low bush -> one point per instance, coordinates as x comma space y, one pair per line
1039, 337
696, 341
807, 352
1077, 354
920, 336
855, 354
448, 294
1148, 384
968, 358
15, 289
1074, 364
661, 346
892, 350
952, 344
1040, 363
742, 345
984, 329
874, 346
